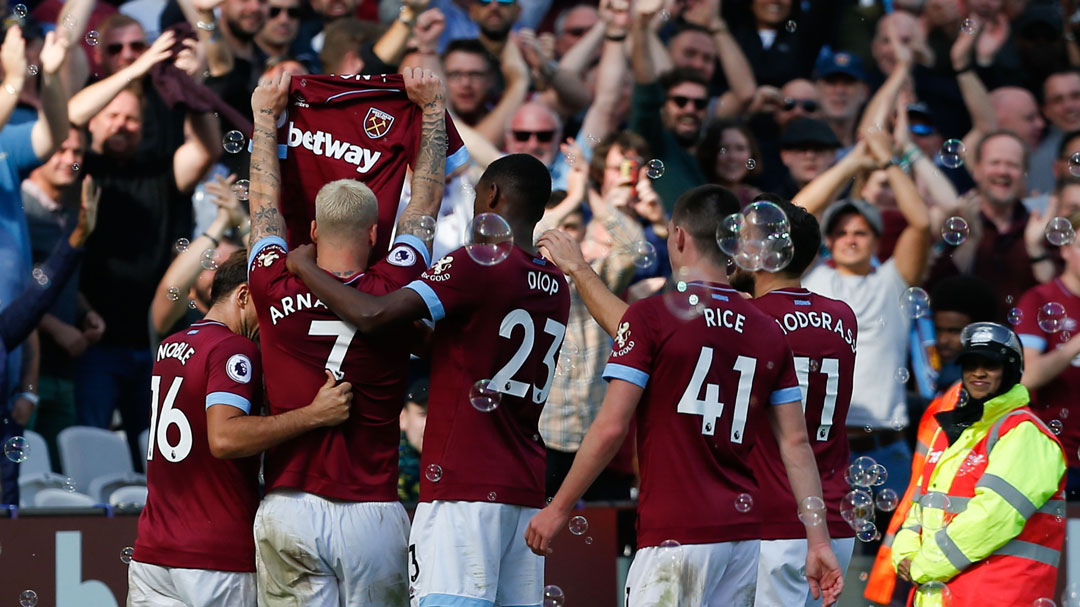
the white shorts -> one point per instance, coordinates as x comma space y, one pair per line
157, 586
782, 571
695, 575
313, 551
473, 554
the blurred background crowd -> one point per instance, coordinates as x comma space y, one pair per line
629, 103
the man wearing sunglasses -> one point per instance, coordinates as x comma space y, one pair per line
280, 29
535, 130
122, 41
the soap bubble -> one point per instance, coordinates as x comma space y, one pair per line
93, 38
812, 511
433, 473
233, 142
968, 26
955, 230
242, 189
17, 449
553, 596
1016, 316
743, 503
1052, 317
126, 554
579, 525
173, 294
489, 239
484, 397
952, 153
886, 500
915, 303
654, 169
28, 598
644, 255
1059, 232
856, 506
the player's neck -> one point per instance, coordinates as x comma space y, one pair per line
225, 316
767, 282
342, 262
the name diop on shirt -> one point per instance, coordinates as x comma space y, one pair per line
322, 143
794, 321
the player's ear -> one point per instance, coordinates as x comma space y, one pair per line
401, 418
373, 233
243, 295
314, 232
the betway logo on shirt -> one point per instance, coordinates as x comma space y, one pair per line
324, 144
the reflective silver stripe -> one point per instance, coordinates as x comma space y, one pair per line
1009, 493
1027, 550
1055, 507
921, 448
915, 528
951, 550
995, 430
957, 504
888, 539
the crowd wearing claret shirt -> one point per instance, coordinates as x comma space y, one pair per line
629, 103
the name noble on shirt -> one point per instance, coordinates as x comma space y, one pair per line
180, 350
294, 303
795, 321
323, 144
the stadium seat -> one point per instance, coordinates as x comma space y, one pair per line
128, 495
102, 487
36, 472
97, 460
54, 498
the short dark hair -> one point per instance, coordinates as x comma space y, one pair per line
699, 211
524, 180
1066, 139
418, 392
1002, 133
229, 275
470, 45
805, 235
673, 78
967, 295
343, 36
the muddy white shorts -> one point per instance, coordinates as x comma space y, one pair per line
157, 586
694, 575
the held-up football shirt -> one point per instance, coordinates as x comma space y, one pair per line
199, 509
708, 377
1056, 402
505, 324
822, 333
350, 127
299, 338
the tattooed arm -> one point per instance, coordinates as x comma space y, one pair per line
267, 103
428, 176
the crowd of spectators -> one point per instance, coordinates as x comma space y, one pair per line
629, 103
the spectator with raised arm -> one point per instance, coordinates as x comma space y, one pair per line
680, 97
18, 319
50, 197
852, 229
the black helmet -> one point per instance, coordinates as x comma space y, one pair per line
995, 342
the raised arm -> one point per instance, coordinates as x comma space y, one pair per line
200, 14
600, 118
913, 246
92, 99
737, 70
13, 60
605, 306
367, 313
390, 47
563, 89
232, 432
201, 148
267, 103
516, 74
976, 98
52, 126
876, 114
428, 182
821, 192
642, 40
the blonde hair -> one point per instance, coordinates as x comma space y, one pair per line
345, 207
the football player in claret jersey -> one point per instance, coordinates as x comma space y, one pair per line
822, 334
706, 373
194, 544
482, 471
331, 530
1052, 354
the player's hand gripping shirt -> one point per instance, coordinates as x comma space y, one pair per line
822, 333
710, 363
350, 127
504, 323
299, 338
199, 509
